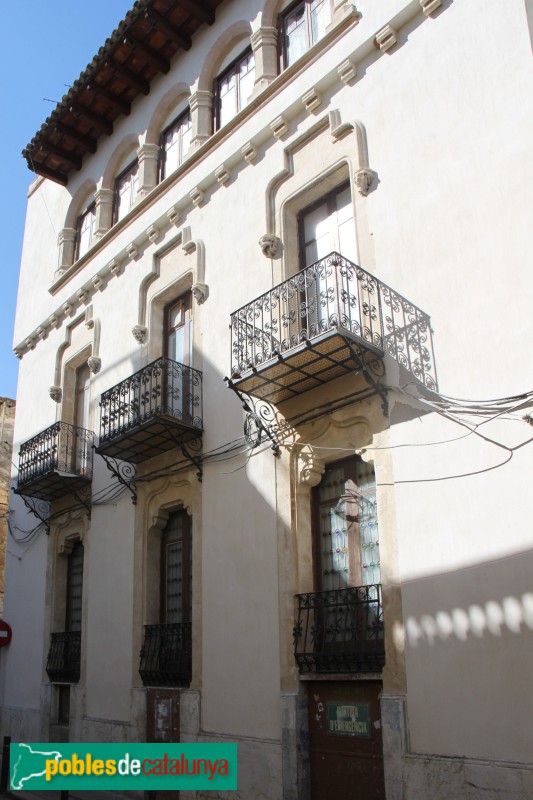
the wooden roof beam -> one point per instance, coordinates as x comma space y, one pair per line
180, 38
154, 58
99, 122
85, 141
132, 78
198, 10
117, 102
46, 172
68, 158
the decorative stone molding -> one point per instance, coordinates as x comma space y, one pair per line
429, 6
363, 180
311, 100
114, 267
347, 71
104, 199
81, 294
310, 467
68, 309
173, 215
153, 234
265, 46
132, 250
279, 127
249, 152
197, 196
343, 10
55, 393
140, 333
270, 245
53, 321
97, 282
222, 175
200, 103
386, 38
41, 333
66, 242
200, 292
148, 155
95, 364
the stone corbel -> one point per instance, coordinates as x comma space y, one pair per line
310, 467
270, 245
140, 333
386, 38
173, 215
95, 364
200, 289
429, 6
311, 101
222, 175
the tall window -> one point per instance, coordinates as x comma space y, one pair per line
303, 26
346, 540
175, 142
328, 225
179, 387
74, 588
85, 230
176, 569
234, 88
126, 188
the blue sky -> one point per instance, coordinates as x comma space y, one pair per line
45, 45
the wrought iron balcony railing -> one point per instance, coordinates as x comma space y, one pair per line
340, 631
166, 655
55, 462
293, 337
138, 414
63, 663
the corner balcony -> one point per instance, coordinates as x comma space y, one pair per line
56, 462
330, 319
63, 663
340, 631
166, 655
153, 411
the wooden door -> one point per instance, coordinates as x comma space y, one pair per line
345, 741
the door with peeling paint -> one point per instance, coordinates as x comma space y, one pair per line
345, 741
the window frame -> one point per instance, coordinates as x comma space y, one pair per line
328, 199
186, 568
90, 209
177, 121
283, 37
232, 68
133, 170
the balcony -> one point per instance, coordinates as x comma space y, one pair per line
328, 320
56, 462
151, 412
63, 664
166, 655
340, 631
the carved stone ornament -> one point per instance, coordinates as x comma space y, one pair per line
140, 333
310, 468
363, 180
55, 393
270, 245
200, 292
95, 364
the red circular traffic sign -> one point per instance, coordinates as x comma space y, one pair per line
5, 633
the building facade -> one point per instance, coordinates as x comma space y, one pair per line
246, 508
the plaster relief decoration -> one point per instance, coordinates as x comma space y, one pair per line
173, 215
200, 292
270, 245
364, 177
310, 467
200, 289
386, 38
95, 364
222, 175
429, 6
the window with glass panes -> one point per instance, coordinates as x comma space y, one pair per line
303, 26
85, 230
175, 142
234, 88
75, 588
346, 535
126, 188
176, 569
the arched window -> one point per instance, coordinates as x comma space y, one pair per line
302, 25
234, 87
175, 143
85, 229
126, 189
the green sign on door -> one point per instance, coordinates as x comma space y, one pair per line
352, 720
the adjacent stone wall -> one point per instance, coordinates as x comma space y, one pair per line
7, 423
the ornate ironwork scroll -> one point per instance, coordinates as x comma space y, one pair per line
124, 472
166, 655
260, 422
39, 509
60, 448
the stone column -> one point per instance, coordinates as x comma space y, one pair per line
104, 211
66, 241
148, 155
265, 47
201, 105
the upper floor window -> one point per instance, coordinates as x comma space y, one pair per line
303, 26
175, 142
126, 188
85, 230
328, 225
234, 88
